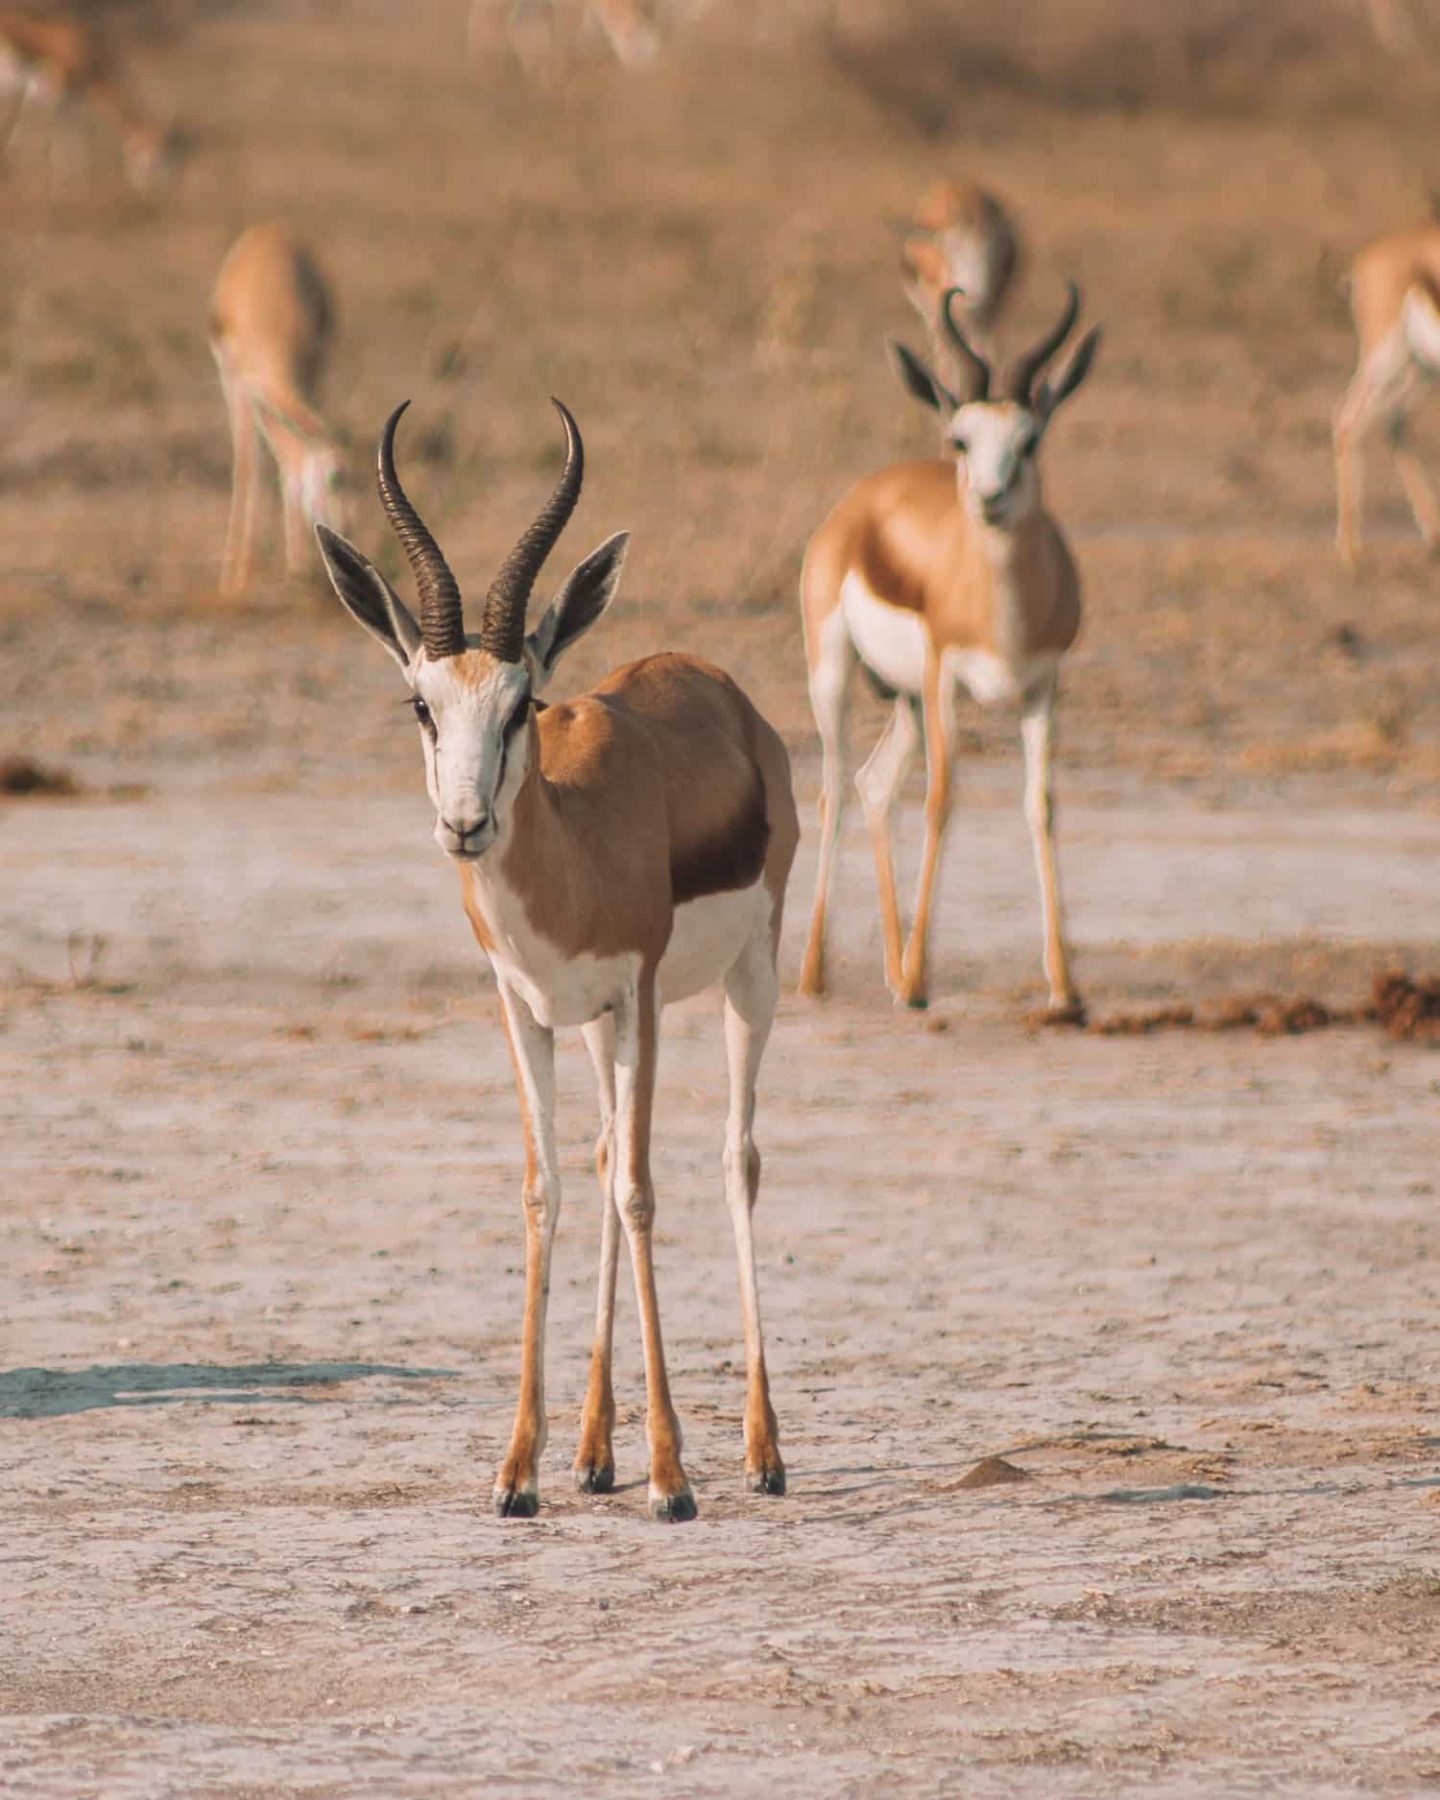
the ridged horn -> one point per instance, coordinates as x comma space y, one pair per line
502, 623
974, 370
1024, 370
442, 623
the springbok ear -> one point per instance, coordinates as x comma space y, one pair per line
587, 591
928, 389
1070, 376
368, 597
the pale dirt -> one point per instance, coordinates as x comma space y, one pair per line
259, 1220
261, 1288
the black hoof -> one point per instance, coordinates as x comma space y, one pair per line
765, 1481
595, 1478
516, 1503
674, 1509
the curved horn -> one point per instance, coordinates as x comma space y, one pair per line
442, 624
502, 624
974, 370
1025, 368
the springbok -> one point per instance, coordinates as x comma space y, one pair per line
271, 326
932, 575
959, 238
616, 852
66, 64
1395, 297
540, 32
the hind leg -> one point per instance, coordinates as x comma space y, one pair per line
829, 686
751, 990
1353, 418
1414, 480
879, 782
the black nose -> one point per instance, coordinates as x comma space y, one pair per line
468, 831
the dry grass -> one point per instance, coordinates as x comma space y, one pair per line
697, 260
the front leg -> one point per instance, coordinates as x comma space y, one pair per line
636, 1046
532, 1050
1037, 734
595, 1455
914, 987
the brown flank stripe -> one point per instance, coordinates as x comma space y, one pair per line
732, 858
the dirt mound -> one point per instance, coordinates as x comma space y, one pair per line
23, 779
1406, 1008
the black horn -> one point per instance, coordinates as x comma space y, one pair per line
973, 368
502, 624
442, 624
1025, 369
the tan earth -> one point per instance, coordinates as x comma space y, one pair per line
259, 1221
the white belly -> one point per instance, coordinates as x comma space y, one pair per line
991, 679
708, 935
890, 639
1422, 329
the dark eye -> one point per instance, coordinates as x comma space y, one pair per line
422, 713
960, 445
512, 724
1029, 446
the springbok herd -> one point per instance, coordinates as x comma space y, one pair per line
632, 846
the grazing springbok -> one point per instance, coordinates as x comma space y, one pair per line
272, 322
66, 65
1395, 297
616, 852
959, 237
540, 34
934, 575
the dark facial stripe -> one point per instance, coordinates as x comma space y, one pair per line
733, 858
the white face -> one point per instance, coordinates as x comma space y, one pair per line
996, 441
474, 717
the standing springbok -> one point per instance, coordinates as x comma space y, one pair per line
938, 574
616, 852
1395, 297
959, 238
66, 65
272, 322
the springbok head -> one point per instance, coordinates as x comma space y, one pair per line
473, 694
995, 438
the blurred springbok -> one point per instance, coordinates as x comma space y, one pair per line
542, 33
616, 852
272, 322
959, 237
64, 64
1392, 24
1395, 297
938, 575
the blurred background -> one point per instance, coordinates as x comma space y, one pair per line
695, 250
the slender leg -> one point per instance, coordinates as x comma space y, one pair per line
636, 1045
829, 686
751, 990
1037, 733
244, 482
595, 1457
532, 1049
938, 739
879, 781
292, 501
1352, 419
1415, 481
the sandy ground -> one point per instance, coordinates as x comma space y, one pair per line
259, 1159
261, 1284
